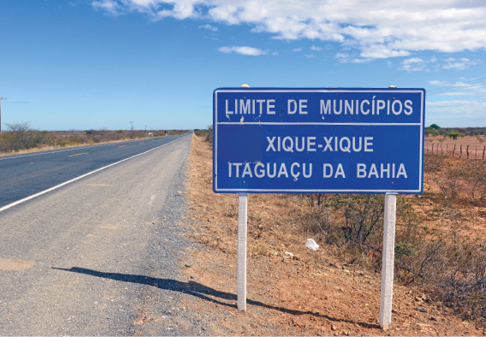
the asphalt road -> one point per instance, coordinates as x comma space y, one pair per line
28, 174
79, 260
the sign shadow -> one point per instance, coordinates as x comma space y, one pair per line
200, 291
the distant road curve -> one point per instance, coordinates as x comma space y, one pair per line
27, 174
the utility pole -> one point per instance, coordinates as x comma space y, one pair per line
132, 125
145, 128
1, 98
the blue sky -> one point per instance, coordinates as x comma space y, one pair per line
85, 64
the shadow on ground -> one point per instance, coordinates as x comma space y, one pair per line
198, 290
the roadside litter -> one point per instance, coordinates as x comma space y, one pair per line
311, 244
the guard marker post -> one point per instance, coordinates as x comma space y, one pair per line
388, 259
242, 235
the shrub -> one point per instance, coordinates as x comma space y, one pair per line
433, 162
454, 134
209, 137
451, 180
355, 222
20, 136
450, 269
475, 175
430, 131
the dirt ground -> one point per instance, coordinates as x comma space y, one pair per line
303, 293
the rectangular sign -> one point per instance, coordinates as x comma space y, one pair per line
276, 140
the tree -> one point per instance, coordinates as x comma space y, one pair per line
454, 134
20, 136
430, 131
435, 126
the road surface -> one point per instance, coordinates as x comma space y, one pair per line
79, 259
27, 174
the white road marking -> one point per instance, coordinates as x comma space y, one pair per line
77, 178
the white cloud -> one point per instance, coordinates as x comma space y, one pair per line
440, 83
391, 29
342, 57
297, 49
361, 60
459, 64
243, 50
209, 27
111, 6
417, 64
414, 64
316, 48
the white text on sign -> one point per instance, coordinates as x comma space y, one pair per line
327, 107
311, 144
296, 170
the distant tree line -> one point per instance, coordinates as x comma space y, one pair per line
454, 133
21, 136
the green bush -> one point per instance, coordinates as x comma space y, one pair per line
454, 134
430, 131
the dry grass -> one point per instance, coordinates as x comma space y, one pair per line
273, 219
59, 147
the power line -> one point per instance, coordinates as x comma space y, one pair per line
454, 105
463, 86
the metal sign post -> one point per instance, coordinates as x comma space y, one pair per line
242, 245
242, 239
388, 260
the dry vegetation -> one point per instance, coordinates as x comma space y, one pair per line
440, 264
20, 138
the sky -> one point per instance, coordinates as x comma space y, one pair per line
92, 64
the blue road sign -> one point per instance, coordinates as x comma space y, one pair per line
276, 140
